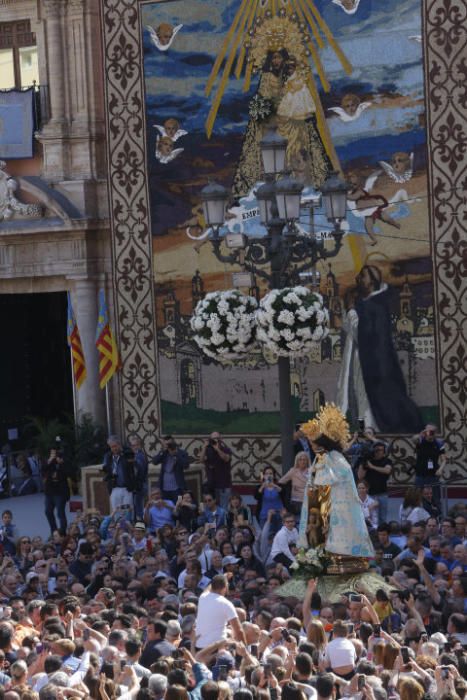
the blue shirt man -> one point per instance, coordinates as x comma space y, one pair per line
212, 513
159, 512
174, 461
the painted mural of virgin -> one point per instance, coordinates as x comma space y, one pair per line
283, 101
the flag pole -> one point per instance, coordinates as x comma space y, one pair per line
107, 410
73, 384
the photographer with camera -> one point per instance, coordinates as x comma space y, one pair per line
430, 460
217, 459
119, 474
361, 445
173, 461
375, 468
55, 474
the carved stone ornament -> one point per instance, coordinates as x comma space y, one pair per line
10, 207
54, 8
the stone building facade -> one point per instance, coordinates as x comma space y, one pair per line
90, 225
64, 243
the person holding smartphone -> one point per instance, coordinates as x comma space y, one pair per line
55, 474
119, 474
430, 460
174, 462
340, 655
217, 459
268, 496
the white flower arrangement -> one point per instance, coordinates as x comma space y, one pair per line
224, 324
291, 320
310, 563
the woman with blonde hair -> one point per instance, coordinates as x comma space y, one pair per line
225, 691
410, 689
298, 476
378, 653
391, 651
316, 635
176, 692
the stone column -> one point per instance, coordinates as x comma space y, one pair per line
89, 398
54, 12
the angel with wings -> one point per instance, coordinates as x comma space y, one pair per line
349, 6
165, 151
171, 129
401, 167
163, 35
351, 108
370, 207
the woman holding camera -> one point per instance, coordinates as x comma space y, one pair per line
55, 475
268, 497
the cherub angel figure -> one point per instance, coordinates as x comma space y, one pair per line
163, 35
369, 206
351, 108
401, 167
350, 7
165, 151
171, 128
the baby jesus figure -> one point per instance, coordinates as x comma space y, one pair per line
315, 530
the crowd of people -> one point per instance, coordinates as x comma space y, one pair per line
165, 598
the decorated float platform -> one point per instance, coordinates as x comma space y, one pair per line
332, 586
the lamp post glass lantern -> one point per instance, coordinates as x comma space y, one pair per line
273, 150
265, 196
284, 245
334, 192
214, 198
288, 194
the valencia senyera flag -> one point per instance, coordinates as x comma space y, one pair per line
109, 359
74, 341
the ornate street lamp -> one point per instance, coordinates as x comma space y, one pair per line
279, 258
266, 198
334, 192
214, 198
273, 152
288, 193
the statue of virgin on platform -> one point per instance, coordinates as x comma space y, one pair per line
331, 515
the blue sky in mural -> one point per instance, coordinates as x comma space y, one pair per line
378, 40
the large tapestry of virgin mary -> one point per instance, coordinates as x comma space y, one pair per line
384, 85
343, 82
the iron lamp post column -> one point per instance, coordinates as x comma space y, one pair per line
279, 204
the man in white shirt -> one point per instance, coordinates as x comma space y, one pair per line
340, 654
284, 542
215, 612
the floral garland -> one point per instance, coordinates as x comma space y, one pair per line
291, 320
310, 563
224, 324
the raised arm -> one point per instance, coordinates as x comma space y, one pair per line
287, 477
306, 607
